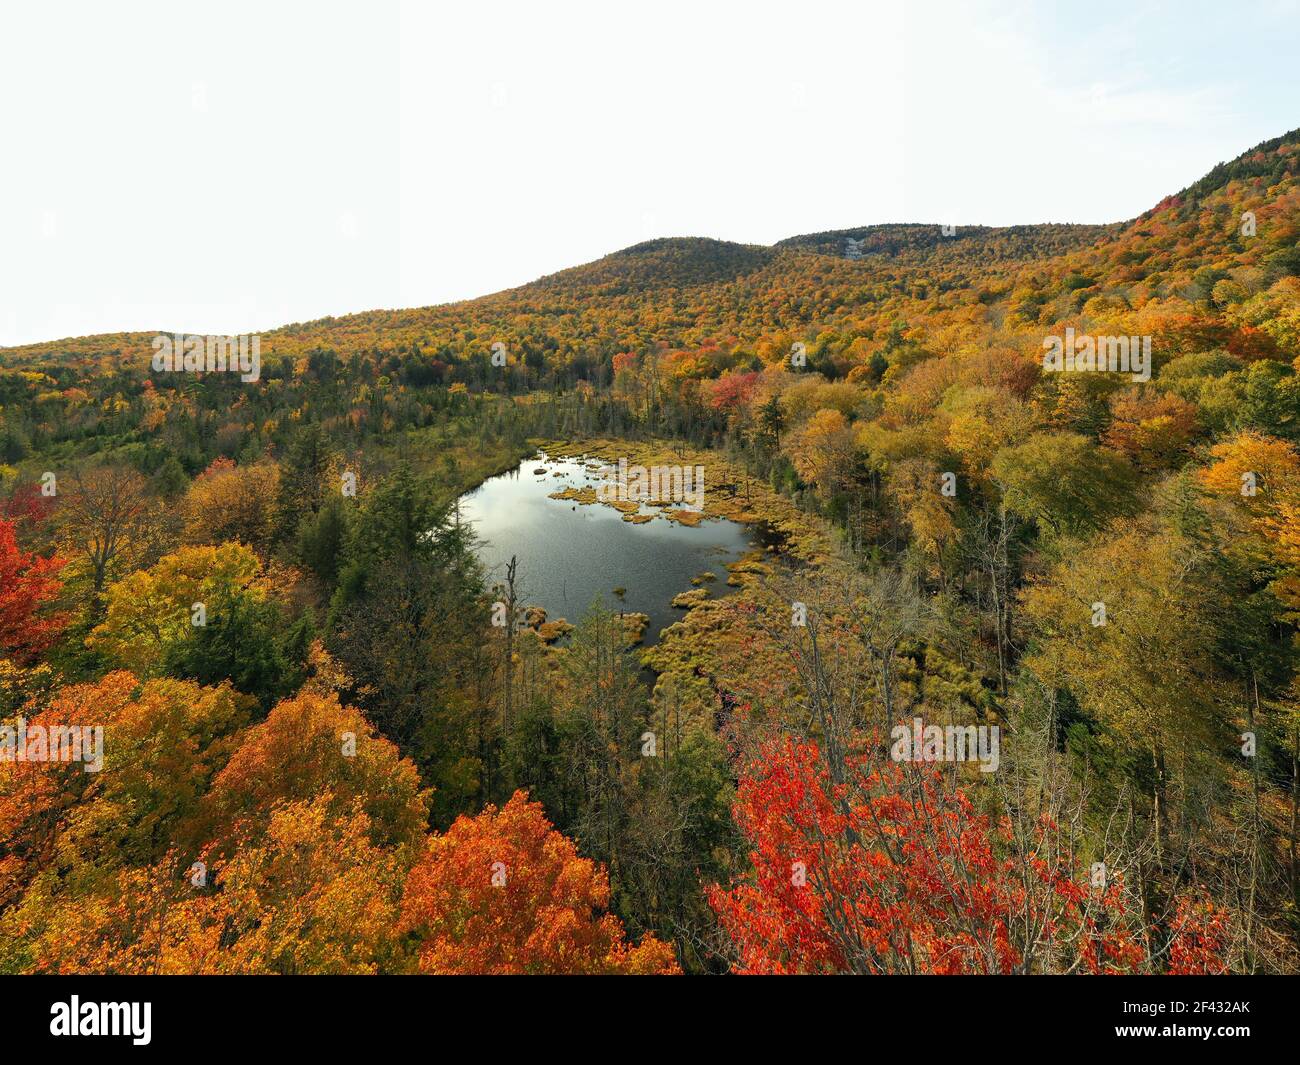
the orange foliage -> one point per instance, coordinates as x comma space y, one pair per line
301, 751
505, 893
1153, 429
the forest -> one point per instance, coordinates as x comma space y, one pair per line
327, 748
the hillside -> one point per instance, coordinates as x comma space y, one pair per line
917, 244
687, 291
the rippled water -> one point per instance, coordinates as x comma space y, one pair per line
570, 554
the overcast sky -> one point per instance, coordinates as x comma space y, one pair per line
234, 166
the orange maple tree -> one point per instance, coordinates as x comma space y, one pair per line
505, 893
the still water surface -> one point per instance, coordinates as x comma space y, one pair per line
570, 554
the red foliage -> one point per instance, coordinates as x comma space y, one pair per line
26, 505
1183, 334
732, 391
1250, 344
220, 464
28, 584
892, 870
1200, 939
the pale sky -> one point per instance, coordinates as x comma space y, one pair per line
231, 167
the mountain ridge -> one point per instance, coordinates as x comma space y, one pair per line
674, 270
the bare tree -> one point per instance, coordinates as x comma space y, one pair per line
992, 545
510, 593
109, 519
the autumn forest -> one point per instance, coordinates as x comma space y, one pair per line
1007, 679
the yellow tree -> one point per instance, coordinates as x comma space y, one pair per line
312, 745
232, 503
1124, 624
150, 609
1261, 475
312, 894
73, 830
823, 451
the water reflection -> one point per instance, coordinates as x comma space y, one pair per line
570, 554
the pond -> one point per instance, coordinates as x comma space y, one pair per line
571, 554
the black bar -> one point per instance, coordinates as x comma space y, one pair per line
526, 1015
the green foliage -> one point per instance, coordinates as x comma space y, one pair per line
1065, 482
246, 642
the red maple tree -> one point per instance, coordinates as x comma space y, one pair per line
889, 868
28, 585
